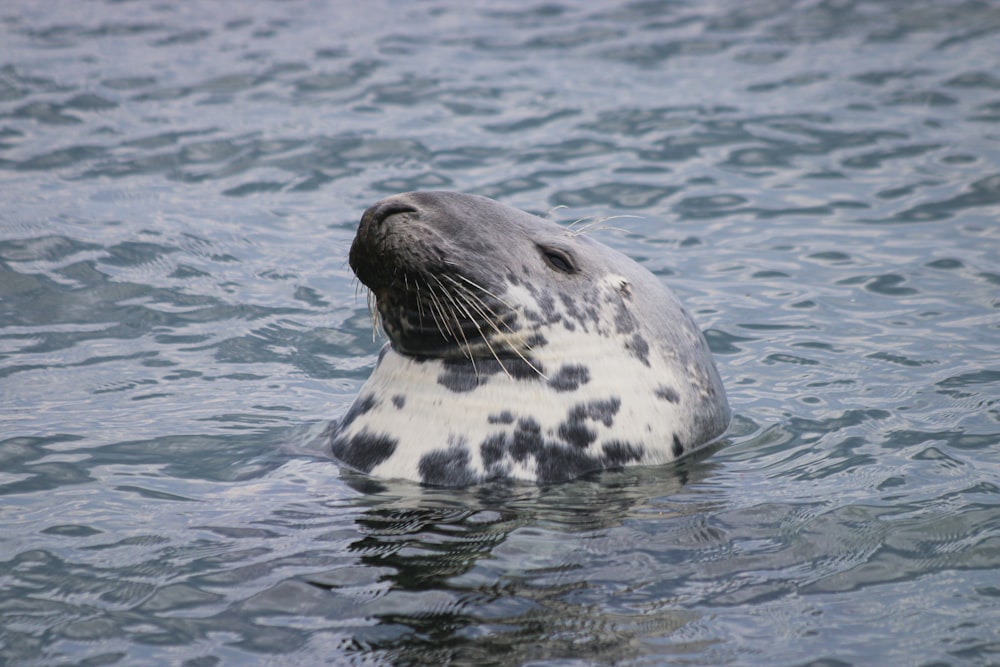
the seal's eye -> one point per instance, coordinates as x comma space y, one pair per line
558, 260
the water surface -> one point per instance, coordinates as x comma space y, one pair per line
819, 182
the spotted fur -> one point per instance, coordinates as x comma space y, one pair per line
518, 350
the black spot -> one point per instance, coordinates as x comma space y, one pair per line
536, 340
570, 377
399, 401
447, 467
381, 354
574, 432
459, 382
624, 325
548, 305
582, 316
667, 394
554, 461
526, 440
533, 316
602, 411
678, 448
618, 453
362, 405
365, 450
573, 312
624, 322
483, 367
492, 451
639, 348
505, 417
557, 463
460, 375
521, 369
524, 443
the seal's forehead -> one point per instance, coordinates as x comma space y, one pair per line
475, 210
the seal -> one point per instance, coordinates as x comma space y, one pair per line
518, 350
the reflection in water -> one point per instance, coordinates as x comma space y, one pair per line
510, 574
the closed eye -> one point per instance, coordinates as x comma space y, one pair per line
558, 259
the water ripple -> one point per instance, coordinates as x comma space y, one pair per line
818, 182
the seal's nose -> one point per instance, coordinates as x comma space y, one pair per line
368, 254
387, 208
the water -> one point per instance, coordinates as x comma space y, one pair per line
819, 181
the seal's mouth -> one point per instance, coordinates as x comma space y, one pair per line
443, 316
426, 304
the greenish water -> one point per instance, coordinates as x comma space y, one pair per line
180, 182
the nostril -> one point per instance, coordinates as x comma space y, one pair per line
391, 208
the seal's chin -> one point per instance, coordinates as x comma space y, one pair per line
417, 339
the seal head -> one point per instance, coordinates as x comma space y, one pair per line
518, 350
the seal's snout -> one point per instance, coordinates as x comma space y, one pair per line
370, 255
373, 221
387, 208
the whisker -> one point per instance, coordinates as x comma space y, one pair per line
373, 313
440, 318
489, 315
482, 289
483, 308
592, 226
452, 297
420, 307
548, 214
468, 348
